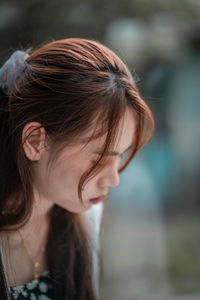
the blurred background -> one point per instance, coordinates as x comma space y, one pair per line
151, 231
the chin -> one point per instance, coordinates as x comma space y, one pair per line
78, 209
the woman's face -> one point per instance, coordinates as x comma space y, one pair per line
60, 185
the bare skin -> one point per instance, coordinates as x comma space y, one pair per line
19, 266
62, 190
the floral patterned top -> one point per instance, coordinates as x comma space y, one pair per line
38, 289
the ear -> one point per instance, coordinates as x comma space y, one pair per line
33, 140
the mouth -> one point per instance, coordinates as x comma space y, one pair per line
98, 199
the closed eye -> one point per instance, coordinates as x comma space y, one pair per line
122, 157
114, 153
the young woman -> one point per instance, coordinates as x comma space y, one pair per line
69, 113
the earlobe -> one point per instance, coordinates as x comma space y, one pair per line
33, 140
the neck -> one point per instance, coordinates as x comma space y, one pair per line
35, 234
37, 226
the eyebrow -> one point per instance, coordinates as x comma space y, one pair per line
114, 153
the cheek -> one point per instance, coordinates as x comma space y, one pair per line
60, 181
92, 183
66, 175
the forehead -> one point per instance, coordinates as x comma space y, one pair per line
124, 138
127, 128
125, 133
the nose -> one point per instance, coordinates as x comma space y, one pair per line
110, 176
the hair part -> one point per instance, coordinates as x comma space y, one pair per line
70, 87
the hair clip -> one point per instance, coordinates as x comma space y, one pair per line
11, 69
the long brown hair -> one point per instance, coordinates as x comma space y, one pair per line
68, 86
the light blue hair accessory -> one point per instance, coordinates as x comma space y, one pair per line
11, 69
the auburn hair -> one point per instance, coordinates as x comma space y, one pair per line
70, 86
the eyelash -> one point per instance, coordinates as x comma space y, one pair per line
103, 165
122, 157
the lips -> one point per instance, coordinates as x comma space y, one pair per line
97, 200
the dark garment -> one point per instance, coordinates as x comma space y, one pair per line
38, 289
58, 264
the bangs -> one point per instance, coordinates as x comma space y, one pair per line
107, 124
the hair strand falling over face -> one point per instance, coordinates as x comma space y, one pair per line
67, 86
